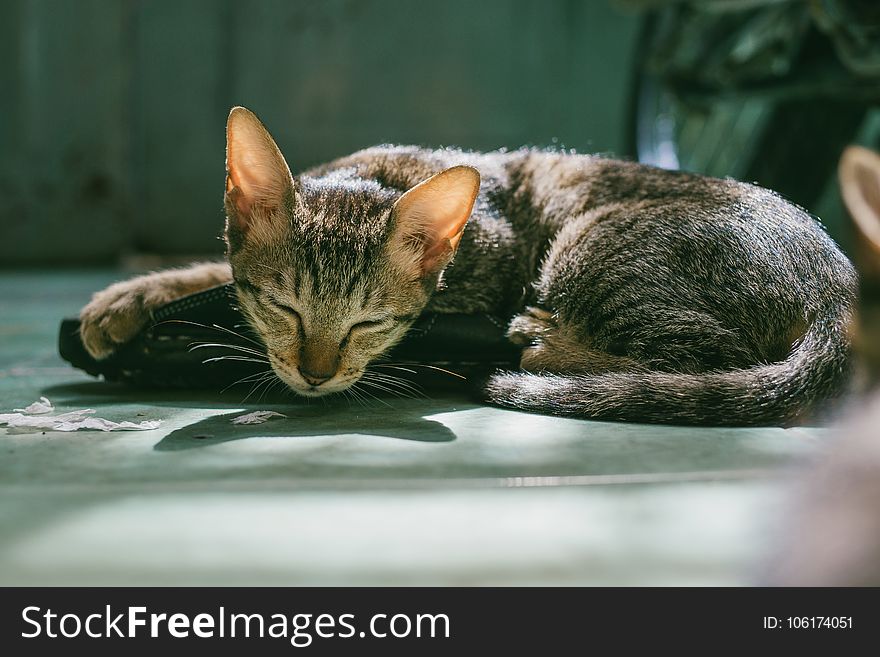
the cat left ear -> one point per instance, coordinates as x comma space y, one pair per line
257, 176
432, 215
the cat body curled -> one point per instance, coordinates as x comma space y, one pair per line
637, 294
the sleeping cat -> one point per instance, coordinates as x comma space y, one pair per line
832, 535
636, 294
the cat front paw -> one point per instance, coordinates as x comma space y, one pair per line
114, 316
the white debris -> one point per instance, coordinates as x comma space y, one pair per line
36, 417
37, 408
257, 417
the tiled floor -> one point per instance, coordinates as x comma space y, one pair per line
437, 491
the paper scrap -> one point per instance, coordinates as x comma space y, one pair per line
257, 417
36, 417
37, 408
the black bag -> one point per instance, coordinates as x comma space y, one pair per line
199, 341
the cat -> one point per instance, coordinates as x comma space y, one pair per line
636, 294
831, 535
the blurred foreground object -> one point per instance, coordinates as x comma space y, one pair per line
833, 537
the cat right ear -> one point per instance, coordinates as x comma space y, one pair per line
258, 180
859, 173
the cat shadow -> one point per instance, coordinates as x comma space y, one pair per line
403, 424
391, 417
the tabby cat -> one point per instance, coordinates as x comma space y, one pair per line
636, 294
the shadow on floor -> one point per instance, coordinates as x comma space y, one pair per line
393, 417
402, 423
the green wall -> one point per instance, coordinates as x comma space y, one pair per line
65, 146
111, 139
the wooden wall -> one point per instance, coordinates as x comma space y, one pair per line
112, 111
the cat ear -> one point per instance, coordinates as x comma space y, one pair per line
859, 173
432, 215
257, 176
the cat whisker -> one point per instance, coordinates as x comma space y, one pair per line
357, 397
355, 394
247, 379
212, 326
238, 358
440, 369
395, 381
370, 394
429, 367
220, 345
259, 383
390, 391
395, 367
267, 386
275, 383
283, 388
389, 377
397, 390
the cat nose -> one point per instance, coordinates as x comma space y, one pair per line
318, 361
315, 378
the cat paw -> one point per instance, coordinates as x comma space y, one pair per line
525, 329
114, 316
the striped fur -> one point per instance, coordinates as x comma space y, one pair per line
637, 294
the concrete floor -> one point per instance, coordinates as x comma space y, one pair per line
437, 491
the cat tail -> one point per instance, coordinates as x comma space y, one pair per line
780, 393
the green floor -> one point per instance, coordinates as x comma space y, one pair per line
438, 491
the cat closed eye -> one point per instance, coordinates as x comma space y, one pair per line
361, 326
367, 325
287, 309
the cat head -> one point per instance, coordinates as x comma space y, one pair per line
331, 271
859, 174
